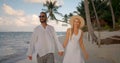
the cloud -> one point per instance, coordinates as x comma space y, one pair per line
59, 2
10, 11
34, 19
17, 20
27, 23
18, 23
17, 17
1, 18
59, 26
29, 20
35, 1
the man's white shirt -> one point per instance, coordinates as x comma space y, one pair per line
43, 41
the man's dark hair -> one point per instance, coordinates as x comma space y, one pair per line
44, 13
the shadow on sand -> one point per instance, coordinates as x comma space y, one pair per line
111, 40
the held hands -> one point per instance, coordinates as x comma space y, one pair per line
60, 53
86, 56
30, 57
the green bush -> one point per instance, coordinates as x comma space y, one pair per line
106, 27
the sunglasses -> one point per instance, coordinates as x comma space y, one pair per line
41, 16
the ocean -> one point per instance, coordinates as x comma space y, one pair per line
14, 45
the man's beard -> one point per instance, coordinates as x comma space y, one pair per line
43, 21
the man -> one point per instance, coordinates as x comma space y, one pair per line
43, 42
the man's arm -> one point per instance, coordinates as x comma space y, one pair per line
59, 45
32, 44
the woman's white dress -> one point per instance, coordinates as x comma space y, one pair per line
73, 53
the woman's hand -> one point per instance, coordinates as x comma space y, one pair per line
60, 53
30, 57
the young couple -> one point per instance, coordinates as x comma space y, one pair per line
44, 39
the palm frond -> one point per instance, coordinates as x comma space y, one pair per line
56, 12
52, 9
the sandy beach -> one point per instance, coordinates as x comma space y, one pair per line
105, 54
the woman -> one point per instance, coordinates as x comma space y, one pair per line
74, 42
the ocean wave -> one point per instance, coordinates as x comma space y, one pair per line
13, 58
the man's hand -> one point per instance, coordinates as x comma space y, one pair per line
60, 53
86, 56
30, 57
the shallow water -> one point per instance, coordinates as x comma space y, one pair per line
14, 45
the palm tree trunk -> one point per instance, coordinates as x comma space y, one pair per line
113, 17
98, 23
90, 28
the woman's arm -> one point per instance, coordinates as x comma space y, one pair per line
82, 46
66, 38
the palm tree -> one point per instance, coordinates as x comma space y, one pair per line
98, 23
112, 12
116, 7
94, 9
70, 14
90, 28
51, 9
65, 19
80, 9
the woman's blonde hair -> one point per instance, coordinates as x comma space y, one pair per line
72, 19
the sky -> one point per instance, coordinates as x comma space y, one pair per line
22, 15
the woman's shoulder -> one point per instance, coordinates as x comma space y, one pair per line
81, 30
69, 29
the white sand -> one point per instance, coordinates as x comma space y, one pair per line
104, 54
